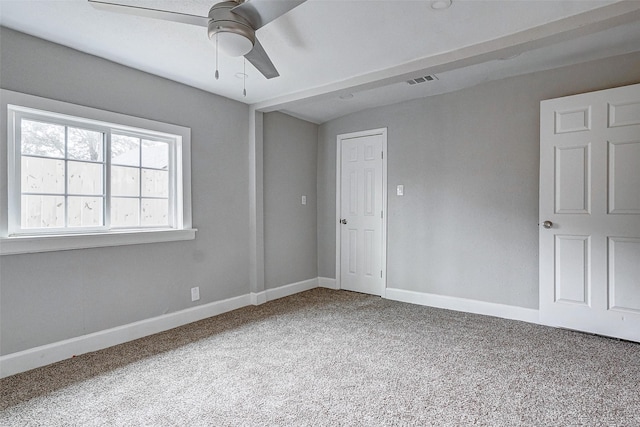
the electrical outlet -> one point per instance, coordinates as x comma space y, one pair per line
304, 200
195, 293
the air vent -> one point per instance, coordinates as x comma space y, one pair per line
417, 80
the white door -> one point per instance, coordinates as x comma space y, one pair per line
590, 196
361, 211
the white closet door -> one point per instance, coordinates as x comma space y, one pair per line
361, 207
590, 212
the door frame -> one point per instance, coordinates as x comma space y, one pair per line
339, 139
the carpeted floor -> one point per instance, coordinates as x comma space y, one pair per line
329, 358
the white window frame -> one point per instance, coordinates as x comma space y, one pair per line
13, 240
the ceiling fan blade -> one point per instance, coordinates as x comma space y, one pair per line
259, 58
201, 21
261, 12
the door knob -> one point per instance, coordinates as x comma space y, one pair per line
343, 221
547, 224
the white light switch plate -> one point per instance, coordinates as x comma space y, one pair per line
304, 200
400, 190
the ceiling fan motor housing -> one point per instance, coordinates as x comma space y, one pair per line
235, 35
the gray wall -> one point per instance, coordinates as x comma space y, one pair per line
53, 296
290, 171
467, 225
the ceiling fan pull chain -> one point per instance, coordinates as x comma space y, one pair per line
244, 77
217, 73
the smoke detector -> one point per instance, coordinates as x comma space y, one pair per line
440, 4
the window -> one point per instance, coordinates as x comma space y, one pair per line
82, 175
74, 176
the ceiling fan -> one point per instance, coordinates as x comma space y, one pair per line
232, 24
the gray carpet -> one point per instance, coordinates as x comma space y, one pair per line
326, 358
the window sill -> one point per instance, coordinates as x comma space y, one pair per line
34, 244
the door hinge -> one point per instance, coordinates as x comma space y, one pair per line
381, 274
382, 154
381, 214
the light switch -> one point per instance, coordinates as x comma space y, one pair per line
304, 200
400, 190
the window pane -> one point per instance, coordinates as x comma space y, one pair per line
85, 144
42, 212
125, 150
155, 212
40, 175
85, 178
85, 212
42, 139
155, 183
125, 181
155, 154
124, 212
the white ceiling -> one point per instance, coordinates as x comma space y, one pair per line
327, 48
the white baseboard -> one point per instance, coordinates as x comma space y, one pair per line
21, 361
50, 353
293, 288
462, 304
326, 282
36, 357
258, 298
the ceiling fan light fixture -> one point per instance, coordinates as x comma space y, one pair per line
234, 44
234, 33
